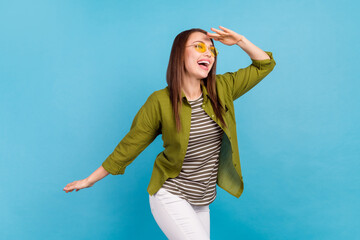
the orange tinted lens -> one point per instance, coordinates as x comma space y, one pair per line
200, 47
213, 51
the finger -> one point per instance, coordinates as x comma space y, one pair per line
68, 187
218, 31
225, 29
213, 35
216, 39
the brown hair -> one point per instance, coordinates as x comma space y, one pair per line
176, 71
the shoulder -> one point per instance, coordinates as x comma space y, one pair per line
159, 95
157, 99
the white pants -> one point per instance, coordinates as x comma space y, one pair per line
179, 219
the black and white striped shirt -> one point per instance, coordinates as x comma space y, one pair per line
196, 182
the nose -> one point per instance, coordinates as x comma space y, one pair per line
208, 52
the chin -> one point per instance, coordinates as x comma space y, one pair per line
204, 75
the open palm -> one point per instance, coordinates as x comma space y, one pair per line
226, 36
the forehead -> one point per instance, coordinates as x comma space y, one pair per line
199, 36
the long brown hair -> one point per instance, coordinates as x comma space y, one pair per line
176, 72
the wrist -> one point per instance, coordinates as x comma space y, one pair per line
88, 181
241, 42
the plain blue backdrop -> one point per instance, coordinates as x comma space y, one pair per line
73, 74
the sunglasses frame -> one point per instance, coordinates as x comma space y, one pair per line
213, 53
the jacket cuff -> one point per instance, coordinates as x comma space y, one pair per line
112, 168
261, 64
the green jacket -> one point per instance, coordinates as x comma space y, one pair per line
156, 117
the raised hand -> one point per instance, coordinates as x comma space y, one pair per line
226, 36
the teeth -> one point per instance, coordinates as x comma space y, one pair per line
206, 62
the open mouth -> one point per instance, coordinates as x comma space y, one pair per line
204, 64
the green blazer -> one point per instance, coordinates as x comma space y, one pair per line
156, 117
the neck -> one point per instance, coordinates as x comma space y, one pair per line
191, 88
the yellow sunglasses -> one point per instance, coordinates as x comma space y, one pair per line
201, 48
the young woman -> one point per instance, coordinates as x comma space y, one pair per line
195, 115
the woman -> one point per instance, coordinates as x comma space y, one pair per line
195, 115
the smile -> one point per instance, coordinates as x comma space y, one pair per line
204, 64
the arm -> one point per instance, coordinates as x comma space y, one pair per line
144, 129
253, 51
241, 81
244, 79
229, 37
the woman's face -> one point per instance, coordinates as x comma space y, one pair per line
193, 57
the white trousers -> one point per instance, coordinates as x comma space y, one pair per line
179, 219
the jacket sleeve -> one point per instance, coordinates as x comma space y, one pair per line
244, 79
144, 129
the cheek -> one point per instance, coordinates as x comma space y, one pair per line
189, 63
187, 66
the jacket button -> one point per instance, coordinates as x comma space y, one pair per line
234, 164
212, 115
203, 105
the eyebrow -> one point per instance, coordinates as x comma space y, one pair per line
204, 42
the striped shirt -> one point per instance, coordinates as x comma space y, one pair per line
196, 182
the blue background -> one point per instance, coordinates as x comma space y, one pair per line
73, 74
